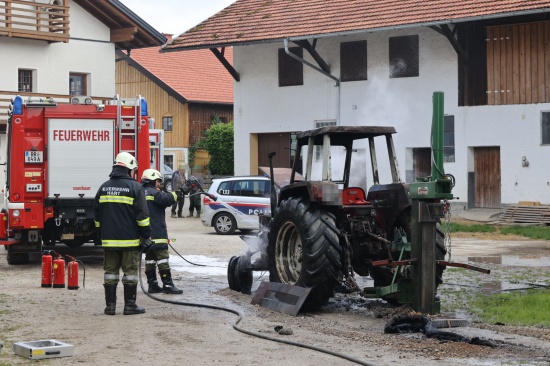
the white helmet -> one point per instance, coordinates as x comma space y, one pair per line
126, 160
151, 175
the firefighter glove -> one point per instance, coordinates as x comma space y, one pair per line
145, 244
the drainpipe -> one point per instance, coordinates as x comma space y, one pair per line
286, 40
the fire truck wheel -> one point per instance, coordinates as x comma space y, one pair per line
225, 223
304, 249
18, 258
73, 243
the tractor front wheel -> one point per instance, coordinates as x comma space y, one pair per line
304, 249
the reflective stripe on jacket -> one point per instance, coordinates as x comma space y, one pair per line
121, 212
157, 202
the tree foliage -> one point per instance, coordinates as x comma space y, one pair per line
218, 141
192, 152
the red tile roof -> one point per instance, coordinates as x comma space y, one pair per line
249, 21
196, 75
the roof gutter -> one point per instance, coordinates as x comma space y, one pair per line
286, 40
309, 64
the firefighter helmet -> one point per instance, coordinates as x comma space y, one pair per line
150, 175
126, 160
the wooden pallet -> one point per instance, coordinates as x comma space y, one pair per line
524, 214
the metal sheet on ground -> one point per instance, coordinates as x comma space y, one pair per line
280, 297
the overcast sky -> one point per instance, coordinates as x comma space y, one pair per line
175, 16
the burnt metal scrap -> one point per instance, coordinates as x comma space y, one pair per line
423, 324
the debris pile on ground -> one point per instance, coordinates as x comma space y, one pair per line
423, 324
535, 214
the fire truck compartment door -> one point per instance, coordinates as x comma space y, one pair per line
80, 156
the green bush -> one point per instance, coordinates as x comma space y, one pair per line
218, 141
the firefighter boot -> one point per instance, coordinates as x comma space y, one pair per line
154, 287
198, 213
168, 286
110, 298
130, 306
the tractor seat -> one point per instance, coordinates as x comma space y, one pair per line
354, 196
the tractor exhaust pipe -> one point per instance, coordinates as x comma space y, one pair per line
273, 197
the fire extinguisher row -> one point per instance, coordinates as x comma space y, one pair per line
53, 270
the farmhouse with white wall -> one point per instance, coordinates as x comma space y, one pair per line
307, 63
60, 48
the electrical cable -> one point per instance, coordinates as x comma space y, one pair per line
244, 331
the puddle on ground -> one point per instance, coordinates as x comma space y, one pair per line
513, 260
199, 265
505, 286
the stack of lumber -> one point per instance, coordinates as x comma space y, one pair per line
526, 213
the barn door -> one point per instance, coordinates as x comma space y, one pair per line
487, 177
277, 142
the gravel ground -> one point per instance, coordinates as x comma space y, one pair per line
190, 333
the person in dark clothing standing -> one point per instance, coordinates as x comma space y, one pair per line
178, 182
194, 185
122, 218
157, 202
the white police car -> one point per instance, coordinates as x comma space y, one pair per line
239, 202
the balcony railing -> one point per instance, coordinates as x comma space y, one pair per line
7, 96
35, 19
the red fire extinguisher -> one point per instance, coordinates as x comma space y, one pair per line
59, 272
72, 274
46, 269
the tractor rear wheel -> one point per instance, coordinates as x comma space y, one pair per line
304, 249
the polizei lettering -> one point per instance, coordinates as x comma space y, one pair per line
81, 135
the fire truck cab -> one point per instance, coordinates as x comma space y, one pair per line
57, 157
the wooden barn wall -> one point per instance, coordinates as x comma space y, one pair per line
130, 83
200, 118
518, 63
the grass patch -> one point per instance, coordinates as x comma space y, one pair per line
474, 228
516, 308
532, 232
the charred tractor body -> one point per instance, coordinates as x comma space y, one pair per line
324, 228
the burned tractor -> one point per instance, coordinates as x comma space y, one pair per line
324, 229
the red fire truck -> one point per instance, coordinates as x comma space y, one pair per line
57, 157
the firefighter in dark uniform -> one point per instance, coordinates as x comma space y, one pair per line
157, 202
122, 218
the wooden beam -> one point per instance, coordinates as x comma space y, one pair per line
311, 49
220, 55
450, 34
123, 34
